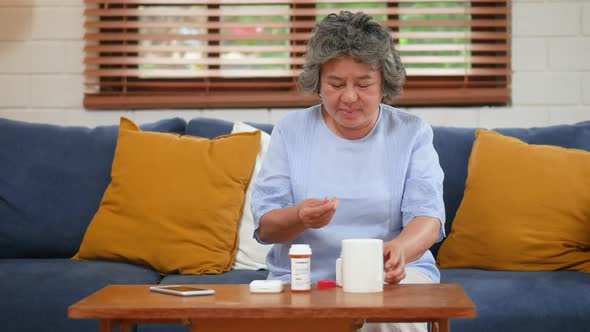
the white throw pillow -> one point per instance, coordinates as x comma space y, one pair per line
251, 254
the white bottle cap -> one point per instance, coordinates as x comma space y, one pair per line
300, 249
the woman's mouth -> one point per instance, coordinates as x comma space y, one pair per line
349, 111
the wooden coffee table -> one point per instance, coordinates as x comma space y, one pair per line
234, 308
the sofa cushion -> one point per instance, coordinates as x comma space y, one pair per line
36, 293
523, 301
51, 181
230, 277
174, 203
525, 208
453, 146
251, 255
211, 128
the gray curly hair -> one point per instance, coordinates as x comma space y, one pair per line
357, 35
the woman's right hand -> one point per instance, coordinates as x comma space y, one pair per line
316, 213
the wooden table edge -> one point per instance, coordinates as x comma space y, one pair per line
109, 319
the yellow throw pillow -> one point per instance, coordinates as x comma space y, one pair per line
525, 208
174, 202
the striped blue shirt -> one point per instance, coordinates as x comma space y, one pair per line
382, 180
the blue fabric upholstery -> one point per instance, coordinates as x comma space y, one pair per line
231, 277
36, 293
163, 328
211, 128
523, 301
454, 148
52, 179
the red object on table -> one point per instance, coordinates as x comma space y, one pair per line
323, 284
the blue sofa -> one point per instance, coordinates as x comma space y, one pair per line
52, 179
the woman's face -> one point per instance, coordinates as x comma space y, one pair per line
351, 93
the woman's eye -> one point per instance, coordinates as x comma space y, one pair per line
365, 86
337, 86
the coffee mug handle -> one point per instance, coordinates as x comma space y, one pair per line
339, 271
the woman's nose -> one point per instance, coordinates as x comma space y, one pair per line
349, 95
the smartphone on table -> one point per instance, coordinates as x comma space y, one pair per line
182, 290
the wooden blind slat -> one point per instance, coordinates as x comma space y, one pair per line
453, 47
297, 24
185, 85
292, 36
247, 2
280, 61
278, 11
164, 73
284, 99
205, 61
275, 73
92, 48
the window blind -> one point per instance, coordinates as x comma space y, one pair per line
146, 54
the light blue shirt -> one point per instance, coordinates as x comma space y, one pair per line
383, 181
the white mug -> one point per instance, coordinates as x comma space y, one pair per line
360, 268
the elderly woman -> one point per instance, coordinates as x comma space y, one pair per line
352, 167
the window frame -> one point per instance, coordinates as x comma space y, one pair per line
112, 81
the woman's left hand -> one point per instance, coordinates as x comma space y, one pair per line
394, 262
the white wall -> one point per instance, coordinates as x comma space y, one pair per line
41, 70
